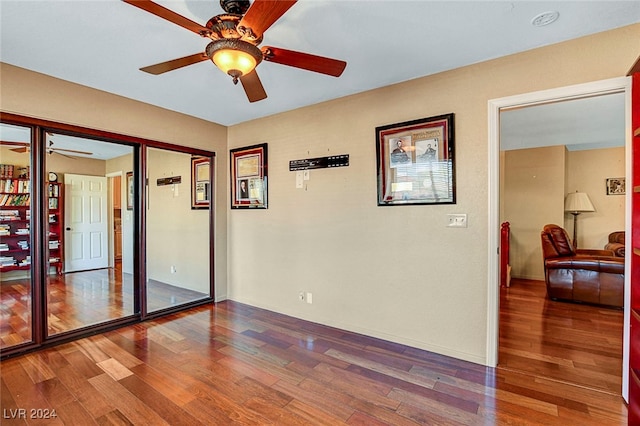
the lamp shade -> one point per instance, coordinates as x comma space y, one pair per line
229, 60
578, 202
233, 56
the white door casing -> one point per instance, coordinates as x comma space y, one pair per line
602, 87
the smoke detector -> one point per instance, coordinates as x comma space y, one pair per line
545, 18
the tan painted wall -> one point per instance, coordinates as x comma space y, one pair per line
393, 272
533, 196
36, 95
587, 171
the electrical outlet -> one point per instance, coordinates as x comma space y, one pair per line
309, 297
301, 296
173, 269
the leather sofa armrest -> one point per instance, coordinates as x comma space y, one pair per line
617, 248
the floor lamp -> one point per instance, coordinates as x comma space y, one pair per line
576, 203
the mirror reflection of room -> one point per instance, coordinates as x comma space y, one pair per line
15, 239
93, 237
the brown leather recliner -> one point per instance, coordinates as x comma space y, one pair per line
587, 276
616, 243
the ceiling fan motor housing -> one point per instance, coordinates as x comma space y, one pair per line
238, 7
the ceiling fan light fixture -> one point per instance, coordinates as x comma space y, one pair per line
234, 57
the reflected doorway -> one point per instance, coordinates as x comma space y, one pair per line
90, 288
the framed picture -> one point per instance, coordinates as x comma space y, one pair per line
129, 182
200, 183
249, 177
416, 162
616, 186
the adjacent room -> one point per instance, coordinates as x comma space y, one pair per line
318, 243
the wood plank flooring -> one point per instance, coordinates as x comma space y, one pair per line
235, 364
580, 344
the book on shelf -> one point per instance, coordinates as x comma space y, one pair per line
53, 190
6, 170
19, 200
7, 261
9, 215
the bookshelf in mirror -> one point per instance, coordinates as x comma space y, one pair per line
56, 225
15, 218
15, 221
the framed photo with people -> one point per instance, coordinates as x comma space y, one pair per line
249, 177
416, 163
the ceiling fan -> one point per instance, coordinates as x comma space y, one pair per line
23, 147
235, 37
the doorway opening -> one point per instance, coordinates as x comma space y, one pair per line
496, 108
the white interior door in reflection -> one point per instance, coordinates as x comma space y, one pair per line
86, 224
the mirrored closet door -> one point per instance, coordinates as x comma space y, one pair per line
16, 276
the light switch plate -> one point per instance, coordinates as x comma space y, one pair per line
457, 220
299, 179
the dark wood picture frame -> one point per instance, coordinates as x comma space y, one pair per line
416, 163
201, 169
249, 177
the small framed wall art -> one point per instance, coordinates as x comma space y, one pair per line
616, 186
200, 183
416, 162
249, 177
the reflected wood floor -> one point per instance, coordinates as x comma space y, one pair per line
570, 342
233, 364
80, 299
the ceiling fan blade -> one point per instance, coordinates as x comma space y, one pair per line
253, 87
169, 15
14, 143
305, 61
21, 150
263, 13
174, 64
64, 155
68, 150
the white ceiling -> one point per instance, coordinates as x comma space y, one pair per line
587, 123
103, 43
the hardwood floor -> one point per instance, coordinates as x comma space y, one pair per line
235, 364
569, 342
